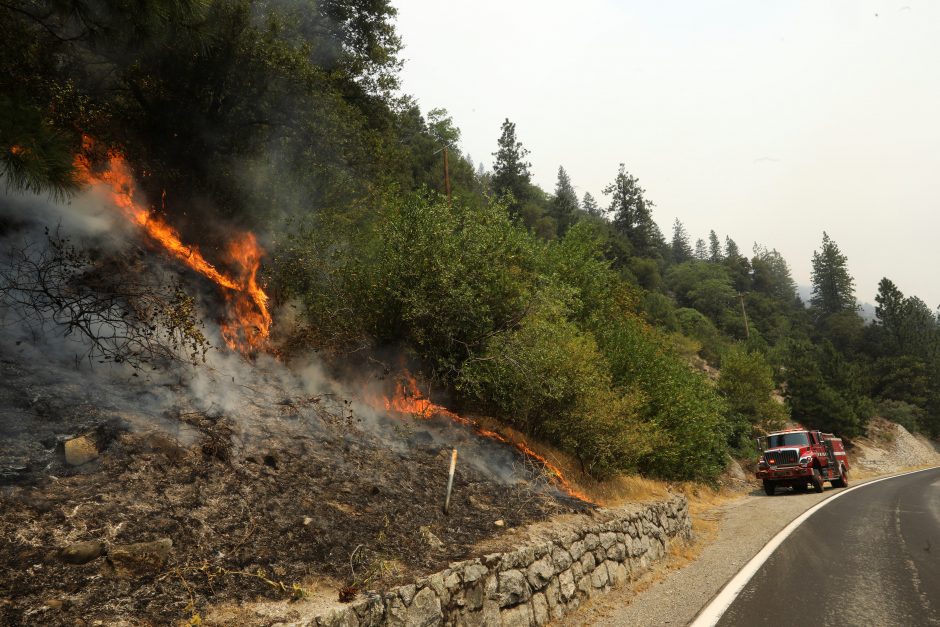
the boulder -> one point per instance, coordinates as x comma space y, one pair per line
425, 610
80, 450
82, 552
142, 558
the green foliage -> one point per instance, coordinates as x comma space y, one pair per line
695, 325
681, 249
714, 247
660, 311
547, 377
911, 417
746, 383
34, 155
511, 176
824, 390
590, 205
564, 205
631, 213
449, 276
833, 287
687, 414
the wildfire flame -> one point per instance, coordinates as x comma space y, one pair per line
408, 399
249, 321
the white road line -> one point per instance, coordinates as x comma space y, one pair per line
713, 612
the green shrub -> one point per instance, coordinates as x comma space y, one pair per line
911, 417
746, 383
686, 417
547, 377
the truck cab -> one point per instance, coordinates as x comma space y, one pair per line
801, 458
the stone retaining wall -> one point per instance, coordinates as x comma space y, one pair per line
533, 584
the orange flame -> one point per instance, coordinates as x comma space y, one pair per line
409, 399
249, 322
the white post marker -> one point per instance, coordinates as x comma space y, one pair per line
712, 613
450, 479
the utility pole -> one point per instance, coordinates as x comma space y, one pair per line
747, 329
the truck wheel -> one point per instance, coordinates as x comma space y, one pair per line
817, 480
769, 488
843, 480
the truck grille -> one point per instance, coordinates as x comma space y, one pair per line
782, 458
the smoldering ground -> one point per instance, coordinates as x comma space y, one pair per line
262, 474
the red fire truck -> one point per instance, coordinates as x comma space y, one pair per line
799, 458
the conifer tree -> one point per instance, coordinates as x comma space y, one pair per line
681, 250
833, 286
701, 250
714, 247
564, 206
511, 174
590, 205
631, 213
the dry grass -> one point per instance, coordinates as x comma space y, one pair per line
704, 503
612, 492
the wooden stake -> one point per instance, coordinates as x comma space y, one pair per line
450, 479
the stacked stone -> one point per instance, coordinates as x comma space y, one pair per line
531, 585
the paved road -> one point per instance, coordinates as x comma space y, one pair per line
870, 557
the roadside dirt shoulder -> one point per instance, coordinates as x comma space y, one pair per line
674, 597
676, 592
730, 534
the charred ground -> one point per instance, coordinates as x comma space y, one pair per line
304, 493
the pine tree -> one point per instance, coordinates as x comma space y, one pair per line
511, 174
590, 205
681, 250
833, 287
564, 206
701, 250
731, 249
714, 247
631, 213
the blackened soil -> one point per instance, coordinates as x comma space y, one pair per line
311, 495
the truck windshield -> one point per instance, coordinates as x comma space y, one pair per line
800, 438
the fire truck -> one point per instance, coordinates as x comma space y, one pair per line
800, 458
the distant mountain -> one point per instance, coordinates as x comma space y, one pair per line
865, 310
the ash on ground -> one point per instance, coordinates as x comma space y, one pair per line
159, 514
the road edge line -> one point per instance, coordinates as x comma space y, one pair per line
712, 613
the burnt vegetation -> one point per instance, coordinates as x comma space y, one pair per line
116, 307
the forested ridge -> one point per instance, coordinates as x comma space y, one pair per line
576, 320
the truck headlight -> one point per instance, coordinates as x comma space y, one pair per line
806, 461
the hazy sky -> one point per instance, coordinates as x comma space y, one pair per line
766, 121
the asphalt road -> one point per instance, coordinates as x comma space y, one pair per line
870, 557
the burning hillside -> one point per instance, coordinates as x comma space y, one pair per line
408, 399
148, 498
247, 323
